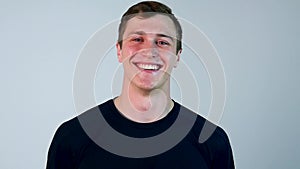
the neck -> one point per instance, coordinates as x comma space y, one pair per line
144, 106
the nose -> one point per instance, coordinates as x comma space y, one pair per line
150, 49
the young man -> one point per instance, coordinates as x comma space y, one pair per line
149, 47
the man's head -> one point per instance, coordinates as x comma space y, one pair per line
149, 45
148, 9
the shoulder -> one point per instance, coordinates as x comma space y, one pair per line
77, 126
209, 136
213, 141
67, 128
205, 130
67, 131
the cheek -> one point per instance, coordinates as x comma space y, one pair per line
128, 51
131, 49
169, 57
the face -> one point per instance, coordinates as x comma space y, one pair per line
148, 51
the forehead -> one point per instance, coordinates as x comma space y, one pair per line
157, 24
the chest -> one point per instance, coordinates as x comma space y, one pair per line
185, 155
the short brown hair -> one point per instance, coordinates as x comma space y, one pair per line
147, 9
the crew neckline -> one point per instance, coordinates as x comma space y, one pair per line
126, 126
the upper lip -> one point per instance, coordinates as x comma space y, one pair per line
148, 63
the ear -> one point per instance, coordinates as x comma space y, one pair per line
119, 52
178, 58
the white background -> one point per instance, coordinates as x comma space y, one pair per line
258, 43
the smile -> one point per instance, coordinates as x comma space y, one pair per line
153, 67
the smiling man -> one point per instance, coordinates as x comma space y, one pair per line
149, 47
148, 52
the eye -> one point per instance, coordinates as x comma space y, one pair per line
137, 39
162, 43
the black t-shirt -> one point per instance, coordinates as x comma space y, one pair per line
73, 148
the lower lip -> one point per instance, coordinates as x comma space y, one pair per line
147, 70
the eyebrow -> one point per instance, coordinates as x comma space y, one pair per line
157, 34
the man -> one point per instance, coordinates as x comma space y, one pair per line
149, 47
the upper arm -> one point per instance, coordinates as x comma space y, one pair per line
59, 154
222, 153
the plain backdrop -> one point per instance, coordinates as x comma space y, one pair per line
257, 41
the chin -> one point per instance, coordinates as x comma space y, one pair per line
148, 84
147, 87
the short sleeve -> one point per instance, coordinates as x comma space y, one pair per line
222, 156
59, 154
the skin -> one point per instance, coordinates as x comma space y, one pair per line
145, 95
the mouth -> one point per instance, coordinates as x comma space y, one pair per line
148, 66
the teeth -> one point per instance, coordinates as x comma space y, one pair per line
148, 67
